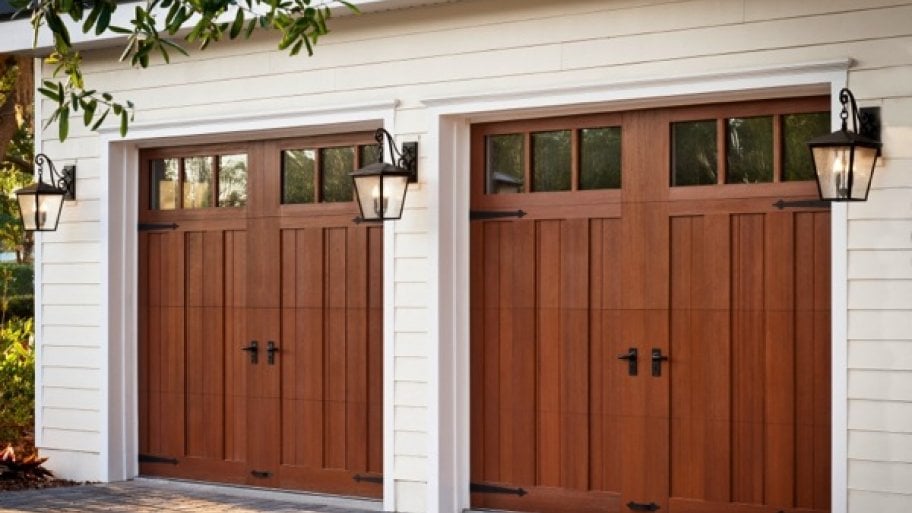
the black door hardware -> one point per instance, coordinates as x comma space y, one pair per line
145, 227
260, 474
631, 357
148, 458
657, 359
367, 478
253, 349
486, 488
642, 506
271, 350
480, 215
802, 204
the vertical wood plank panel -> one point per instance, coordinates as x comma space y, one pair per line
574, 353
780, 360
549, 354
335, 344
491, 387
748, 356
712, 329
235, 338
804, 355
357, 349
506, 350
523, 370
478, 290
822, 358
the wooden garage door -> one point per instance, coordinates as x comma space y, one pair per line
253, 244
652, 231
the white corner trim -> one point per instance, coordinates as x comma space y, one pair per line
38, 280
450, 122
839, 332
118, 166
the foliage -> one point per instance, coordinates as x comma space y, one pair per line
152, 31
12, 177
17, 374
17, 291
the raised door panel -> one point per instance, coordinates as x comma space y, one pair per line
750, 353
546, 406
331, 307
193, 378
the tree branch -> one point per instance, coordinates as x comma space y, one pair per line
21, 163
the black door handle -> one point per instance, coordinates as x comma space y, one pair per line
271, 350
657, 359
631, 357
253, 349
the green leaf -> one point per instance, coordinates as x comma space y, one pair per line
351, 6
49, 93
250, 27
100, 120
86, 116
64, 124
117, 109
176, 46
104, 18
93, 17
107, 96
237, 25
119, 30
124, 121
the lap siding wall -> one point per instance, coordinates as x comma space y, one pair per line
474, 48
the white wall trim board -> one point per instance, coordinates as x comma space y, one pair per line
119, 164
38, 276
448, 188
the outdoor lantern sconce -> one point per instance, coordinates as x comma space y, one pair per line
40, 203
380, 187
844, 160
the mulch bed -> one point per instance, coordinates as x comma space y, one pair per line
13, 485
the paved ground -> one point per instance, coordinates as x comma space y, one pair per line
148, 495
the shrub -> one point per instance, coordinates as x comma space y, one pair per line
17, 375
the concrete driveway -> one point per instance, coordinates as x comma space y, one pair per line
153, 495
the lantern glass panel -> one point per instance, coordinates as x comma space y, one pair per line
863, 167
832, 163
381, 200
40, 212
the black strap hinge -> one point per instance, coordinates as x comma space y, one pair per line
480, 215
486, 488
368, 478
147, 227
148, 458
802, 204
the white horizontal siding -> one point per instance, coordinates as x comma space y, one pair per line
470, 48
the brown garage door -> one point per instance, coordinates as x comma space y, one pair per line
246, 248
651, 231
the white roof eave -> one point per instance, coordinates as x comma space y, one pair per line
16, 35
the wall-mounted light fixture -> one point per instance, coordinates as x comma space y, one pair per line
40, 203
380, 187
844, 160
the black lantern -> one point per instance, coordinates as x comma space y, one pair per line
40, 203
380, 187
844, 160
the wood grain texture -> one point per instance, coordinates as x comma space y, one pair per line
226, 277
733, 291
